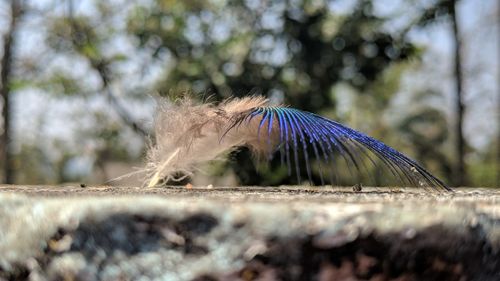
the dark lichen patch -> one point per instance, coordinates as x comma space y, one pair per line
18, 272
132, 234
357, 187
435, 253
126, 235
122, 232
198, 224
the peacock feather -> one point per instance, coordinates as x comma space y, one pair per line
189, 134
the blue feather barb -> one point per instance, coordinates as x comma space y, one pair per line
291, 131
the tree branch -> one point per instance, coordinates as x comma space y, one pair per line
100, 65
460, 172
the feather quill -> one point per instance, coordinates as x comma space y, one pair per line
189, 134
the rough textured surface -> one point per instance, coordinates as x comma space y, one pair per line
248, 233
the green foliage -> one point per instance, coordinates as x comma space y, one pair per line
303, 53
427, 130
61, 83
75, 34
30, 164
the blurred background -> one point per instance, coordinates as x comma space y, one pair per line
79, 79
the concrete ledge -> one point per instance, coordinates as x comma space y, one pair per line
248, 233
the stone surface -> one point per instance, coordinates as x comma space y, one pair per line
248, 233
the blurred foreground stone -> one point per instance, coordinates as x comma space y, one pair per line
248, 233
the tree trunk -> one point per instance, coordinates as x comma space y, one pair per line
5, 75
498, 110
460, 170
